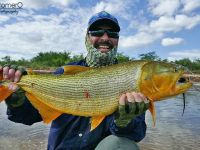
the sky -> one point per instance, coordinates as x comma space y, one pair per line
171, 28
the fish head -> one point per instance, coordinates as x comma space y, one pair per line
160, 80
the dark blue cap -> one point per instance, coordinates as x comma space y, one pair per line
105, 18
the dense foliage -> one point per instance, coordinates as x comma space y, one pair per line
55, 59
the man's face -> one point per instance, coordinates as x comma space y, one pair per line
103, 43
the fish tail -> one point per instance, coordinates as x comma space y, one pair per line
153, 112
5, 92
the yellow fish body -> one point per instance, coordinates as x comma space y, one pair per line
95, 92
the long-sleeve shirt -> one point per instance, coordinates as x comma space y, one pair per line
70, 132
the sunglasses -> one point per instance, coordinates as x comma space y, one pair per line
100, 33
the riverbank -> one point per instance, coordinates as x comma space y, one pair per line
193, 77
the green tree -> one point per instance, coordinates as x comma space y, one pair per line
193, 66
50, 59
186, 62
123, 58
77, 57
149, 56
6, 59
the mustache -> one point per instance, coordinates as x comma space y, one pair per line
104, 42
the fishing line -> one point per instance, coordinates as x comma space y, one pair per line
183, 104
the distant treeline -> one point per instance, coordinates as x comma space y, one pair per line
56, 59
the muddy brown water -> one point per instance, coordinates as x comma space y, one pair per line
172, 131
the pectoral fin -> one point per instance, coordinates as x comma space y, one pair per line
30, 71
153, 112
73, 69
95, 121
4, 92
48, 114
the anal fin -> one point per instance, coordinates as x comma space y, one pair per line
95, 121
48, 114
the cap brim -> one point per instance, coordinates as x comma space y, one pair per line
104, 21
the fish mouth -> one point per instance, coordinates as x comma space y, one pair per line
183, 83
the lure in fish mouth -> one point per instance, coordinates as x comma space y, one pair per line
163, 80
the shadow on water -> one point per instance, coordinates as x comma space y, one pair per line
172, 131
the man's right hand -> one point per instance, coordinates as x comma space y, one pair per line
12, 73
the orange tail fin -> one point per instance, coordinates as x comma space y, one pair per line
4, 93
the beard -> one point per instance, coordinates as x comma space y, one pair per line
96, 58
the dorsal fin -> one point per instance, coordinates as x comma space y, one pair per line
30, 71
74, 69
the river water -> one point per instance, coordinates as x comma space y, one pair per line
172, 131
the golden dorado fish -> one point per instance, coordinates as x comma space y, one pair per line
95, 92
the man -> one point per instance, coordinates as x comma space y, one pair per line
119, 130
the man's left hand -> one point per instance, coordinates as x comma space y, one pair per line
130, 105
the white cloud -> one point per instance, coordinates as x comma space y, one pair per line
174, 24
190, 5
171, 41
155, 29
33, 33
115, 7
45, 33
164, 7
3, 18
138, 40
191, 54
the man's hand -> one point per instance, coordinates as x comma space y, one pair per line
12, 73
130, 105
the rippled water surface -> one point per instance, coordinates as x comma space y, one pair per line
172, 131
